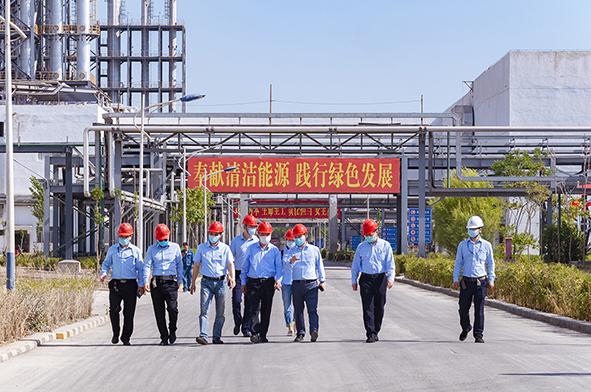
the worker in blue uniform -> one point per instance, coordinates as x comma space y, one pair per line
374, 261
238, 246
475, 263
127, 282
164, 261
188, 262
307, 269
286, 293
216, 263
264, 270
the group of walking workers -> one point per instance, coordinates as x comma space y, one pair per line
253, 269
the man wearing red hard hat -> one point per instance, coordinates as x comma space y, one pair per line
263, 268
238, 246
374, 260
307, 268
165, 262
216, 263
127, 282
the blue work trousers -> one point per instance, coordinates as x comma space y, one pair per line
286, 296
209, 289
239, 320
305, 294
187, 277
472, 291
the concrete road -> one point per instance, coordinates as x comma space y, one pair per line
418, 351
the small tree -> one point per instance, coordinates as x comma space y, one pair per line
572, 245
120, 203
98, 195
521, 210
452, 214
195, 211
38, 208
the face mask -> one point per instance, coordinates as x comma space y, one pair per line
252, 231
213, 239
124, 241
473, 233
370, 238
163, 243
265, 239
300, 241
290, 244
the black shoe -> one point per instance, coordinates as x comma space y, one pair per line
246, 334
376, 338
236, 329
299, 338
463, 336
218, 341
115, 340
478, 339
314, 336
163, 342
126, 342
254, 338
371, 339
172, 337
201, 340
264, 340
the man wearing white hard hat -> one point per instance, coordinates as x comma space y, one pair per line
475, 263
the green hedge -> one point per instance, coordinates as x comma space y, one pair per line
37, 260
553, 288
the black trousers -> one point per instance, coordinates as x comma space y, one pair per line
305, 295
125, 292
373, 300
260, 295
239, 320
472, 291
165, 293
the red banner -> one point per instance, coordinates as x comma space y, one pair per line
297, 175
290, 213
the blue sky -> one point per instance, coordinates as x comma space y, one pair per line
359, 52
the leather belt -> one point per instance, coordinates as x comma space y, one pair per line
373, 276
260, 280
215, 279
165, 277
305, 281
124, 280
468, 279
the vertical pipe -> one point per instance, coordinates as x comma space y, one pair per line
55, 40
402, 205
140, 225
83, 54
26, 58
10, 261
184, 186
114, 47
422, 200
145, 48
172, 67
46, 208
333, 229
69, 210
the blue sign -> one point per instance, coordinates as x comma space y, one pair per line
355, 241
389, 234
319, 242
413, 225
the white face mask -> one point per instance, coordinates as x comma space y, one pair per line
265, 239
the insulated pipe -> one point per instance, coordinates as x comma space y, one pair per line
114, 47
145, 48
172, 47
26, 58
55, 40
83, 55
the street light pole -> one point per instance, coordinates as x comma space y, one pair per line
186, 98
10, 261
204, 183
184, 194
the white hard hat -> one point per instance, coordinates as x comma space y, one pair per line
474, 222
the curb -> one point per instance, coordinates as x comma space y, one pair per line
549, 318
30, 342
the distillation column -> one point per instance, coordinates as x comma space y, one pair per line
83, 54
55, 40
26, 58
114, 48
146, 20
172, 48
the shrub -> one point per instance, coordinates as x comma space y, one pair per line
571, 245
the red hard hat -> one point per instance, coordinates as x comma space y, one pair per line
161, 232
125, 229
289, 235
369, 226
216, 227
299, 229
265, 228
249, 220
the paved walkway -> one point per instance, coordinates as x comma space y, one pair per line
418, 351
